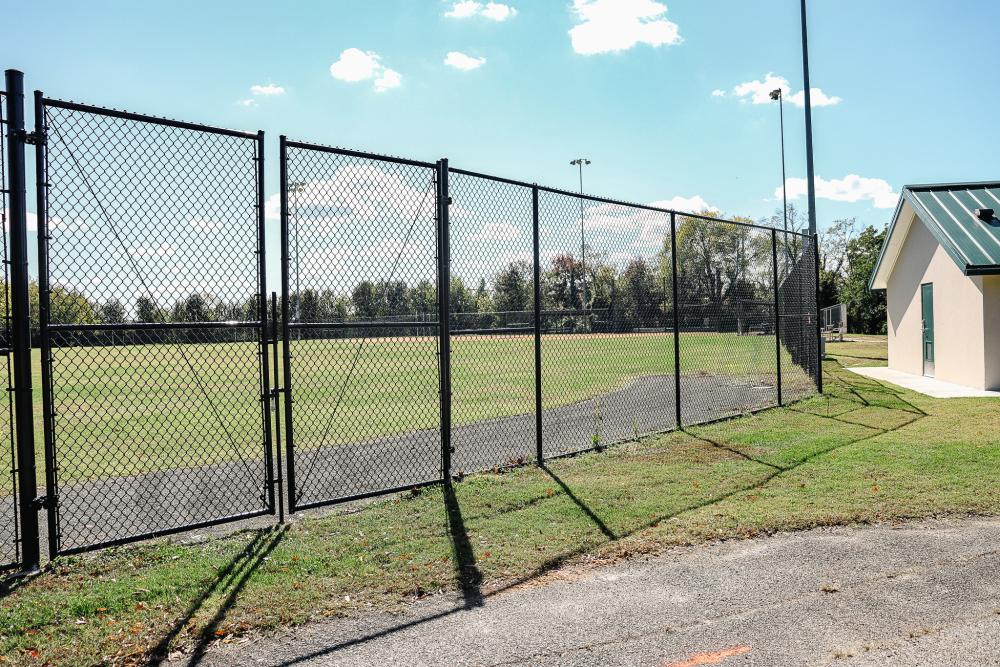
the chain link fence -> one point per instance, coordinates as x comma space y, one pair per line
151, 291
573, 322
433, 322
360, 300
9, 535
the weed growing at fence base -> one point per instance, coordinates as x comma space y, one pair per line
394, 380
862, 452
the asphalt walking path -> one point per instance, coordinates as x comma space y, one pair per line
926, 594
112, 508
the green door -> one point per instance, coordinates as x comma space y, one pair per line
927, 318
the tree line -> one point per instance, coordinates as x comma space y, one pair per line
725, 282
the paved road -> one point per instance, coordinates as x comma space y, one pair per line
111, 508
922, 594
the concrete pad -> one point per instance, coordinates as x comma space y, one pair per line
924, 385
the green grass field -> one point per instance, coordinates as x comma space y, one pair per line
135, 409
862, 452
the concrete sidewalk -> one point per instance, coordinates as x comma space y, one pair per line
927, 386
920, 594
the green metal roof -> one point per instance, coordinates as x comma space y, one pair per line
948, 212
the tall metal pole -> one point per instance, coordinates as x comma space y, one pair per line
810, 172
777, 311
583, 244
784, 179
20, 331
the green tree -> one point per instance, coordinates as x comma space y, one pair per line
512, 287
865, 309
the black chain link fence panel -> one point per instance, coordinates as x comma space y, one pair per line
492, 323
607, 329
155, 376
363, 302
727, 323
9, 546
800, 369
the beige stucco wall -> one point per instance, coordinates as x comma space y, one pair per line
959, 342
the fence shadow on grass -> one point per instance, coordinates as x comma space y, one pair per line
230, 581
470, 579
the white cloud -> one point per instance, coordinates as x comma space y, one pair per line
496, 231
464, 62
817, 98
617, 25
759, 92
851, 188
266, 89
693, 204
495, 11
248, 102
389, 78
718, 93
356, 65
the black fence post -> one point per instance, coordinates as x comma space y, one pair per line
677, 319
265, 373
21, 329
777, 314
536, 280
285, 344
444, 316
276, 394
819, 329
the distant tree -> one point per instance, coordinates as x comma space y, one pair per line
865, 309
512, 287
639, 295
146, 310
364, 300
112, 312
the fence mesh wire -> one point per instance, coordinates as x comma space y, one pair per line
800, 368
492, 323
9, 547
726, 305
363, 302
607, 334
153, 327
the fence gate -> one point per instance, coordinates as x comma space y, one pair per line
9, 535
362, 335
151, 286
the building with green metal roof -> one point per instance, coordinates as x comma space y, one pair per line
940, 269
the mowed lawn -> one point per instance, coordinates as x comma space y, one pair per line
862, 452
134, 409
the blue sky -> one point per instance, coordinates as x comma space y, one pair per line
626, 83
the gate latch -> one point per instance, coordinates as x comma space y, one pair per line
42, 502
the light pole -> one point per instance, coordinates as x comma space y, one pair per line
776, 96
810, 185
580, 162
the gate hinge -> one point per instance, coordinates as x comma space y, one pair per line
31, 138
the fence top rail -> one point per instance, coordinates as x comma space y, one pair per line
144, 118
289, 143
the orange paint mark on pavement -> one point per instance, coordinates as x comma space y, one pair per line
712, 658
